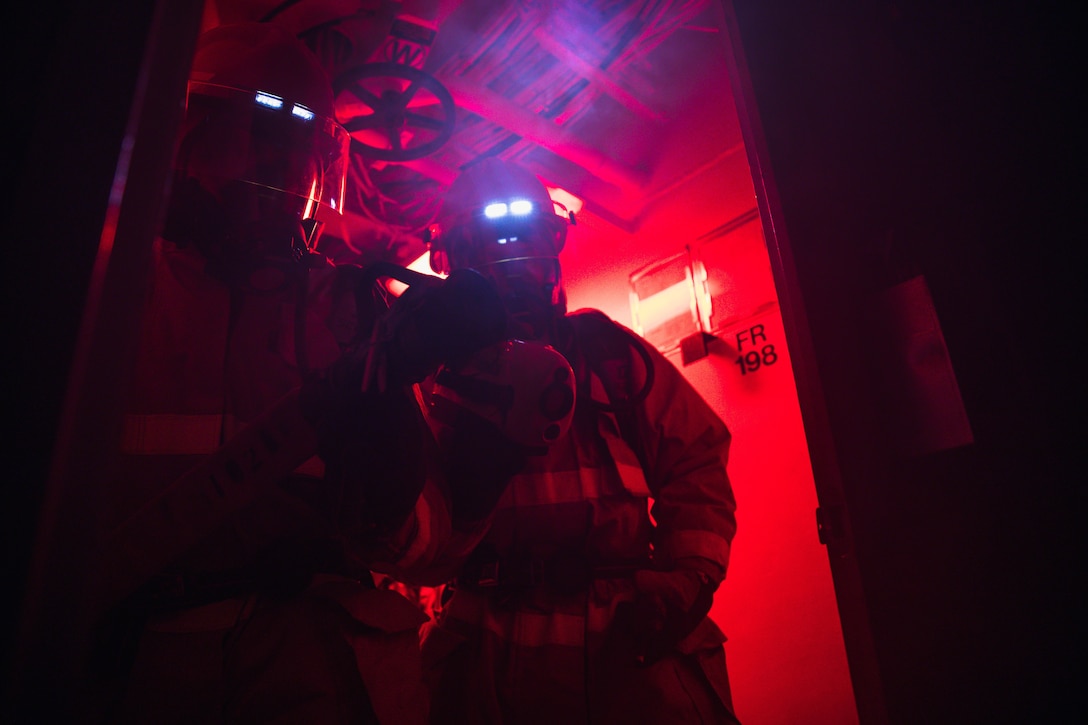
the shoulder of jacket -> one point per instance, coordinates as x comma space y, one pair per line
603, 336
590, 316
590, 324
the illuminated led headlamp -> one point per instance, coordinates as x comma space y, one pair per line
494, 213
515, 208
507, 220
275, 102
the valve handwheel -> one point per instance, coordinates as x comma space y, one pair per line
394, 112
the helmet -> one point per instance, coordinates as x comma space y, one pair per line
498, 219
260, 150
474, 231
524, 388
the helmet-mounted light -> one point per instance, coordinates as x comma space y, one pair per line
516, 207
491, 205
507, 220
275, 102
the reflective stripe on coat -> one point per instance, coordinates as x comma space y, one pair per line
549, 653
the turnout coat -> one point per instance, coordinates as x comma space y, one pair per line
533, 629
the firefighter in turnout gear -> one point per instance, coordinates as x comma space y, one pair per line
263, 481
587, 599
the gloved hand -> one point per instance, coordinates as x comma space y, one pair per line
668, 607
433, 322
372, 445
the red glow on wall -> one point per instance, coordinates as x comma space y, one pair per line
777, 606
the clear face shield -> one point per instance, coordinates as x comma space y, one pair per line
265, 161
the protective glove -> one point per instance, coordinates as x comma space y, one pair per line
669, 605
372, 445
433, 322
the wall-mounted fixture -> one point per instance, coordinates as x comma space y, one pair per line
718, 284
671, 305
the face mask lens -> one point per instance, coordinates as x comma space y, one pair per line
491, 241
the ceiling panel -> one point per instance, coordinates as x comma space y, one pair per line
623, 103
